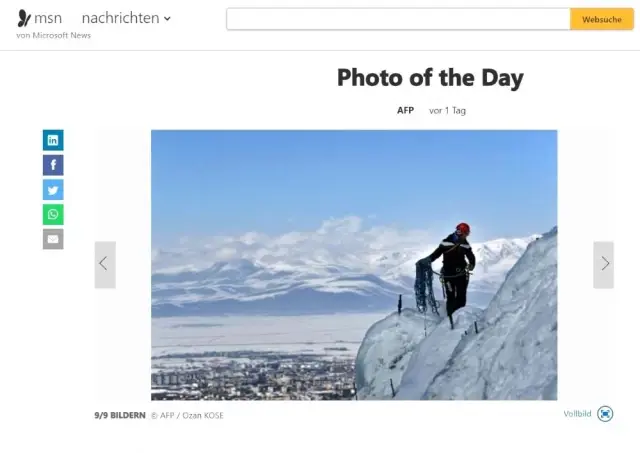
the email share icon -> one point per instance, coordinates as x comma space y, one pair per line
52, 239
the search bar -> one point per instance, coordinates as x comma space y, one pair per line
428, 19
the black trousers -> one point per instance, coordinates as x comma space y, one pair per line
456, 290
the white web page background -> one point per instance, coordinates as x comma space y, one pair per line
87, 350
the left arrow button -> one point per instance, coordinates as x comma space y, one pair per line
105, 265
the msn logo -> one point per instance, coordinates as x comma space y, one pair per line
25, 18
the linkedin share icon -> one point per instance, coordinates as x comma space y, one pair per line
52, 140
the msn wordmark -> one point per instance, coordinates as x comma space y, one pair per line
41, 19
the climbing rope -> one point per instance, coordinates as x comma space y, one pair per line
424, 288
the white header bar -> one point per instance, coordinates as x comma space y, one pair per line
239, 25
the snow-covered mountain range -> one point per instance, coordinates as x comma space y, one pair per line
339, 267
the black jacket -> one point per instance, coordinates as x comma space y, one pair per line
453, 250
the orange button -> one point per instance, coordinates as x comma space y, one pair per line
601, 18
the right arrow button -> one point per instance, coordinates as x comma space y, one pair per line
603, 265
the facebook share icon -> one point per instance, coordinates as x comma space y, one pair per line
53, 165
605, 414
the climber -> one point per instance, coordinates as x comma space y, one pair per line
455, 270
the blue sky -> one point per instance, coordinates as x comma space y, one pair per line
230, 182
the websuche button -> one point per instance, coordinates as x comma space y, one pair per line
601, 18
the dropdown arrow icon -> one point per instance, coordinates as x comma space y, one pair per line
605, 260
167, 18
102, 265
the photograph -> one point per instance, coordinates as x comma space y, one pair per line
354, 265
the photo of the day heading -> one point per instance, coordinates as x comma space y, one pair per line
447, 77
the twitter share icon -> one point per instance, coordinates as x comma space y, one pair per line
53, 189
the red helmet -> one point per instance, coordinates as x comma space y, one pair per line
463, 228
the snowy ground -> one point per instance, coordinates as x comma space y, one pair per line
386, 350
513, 356
291, 334
434, 353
